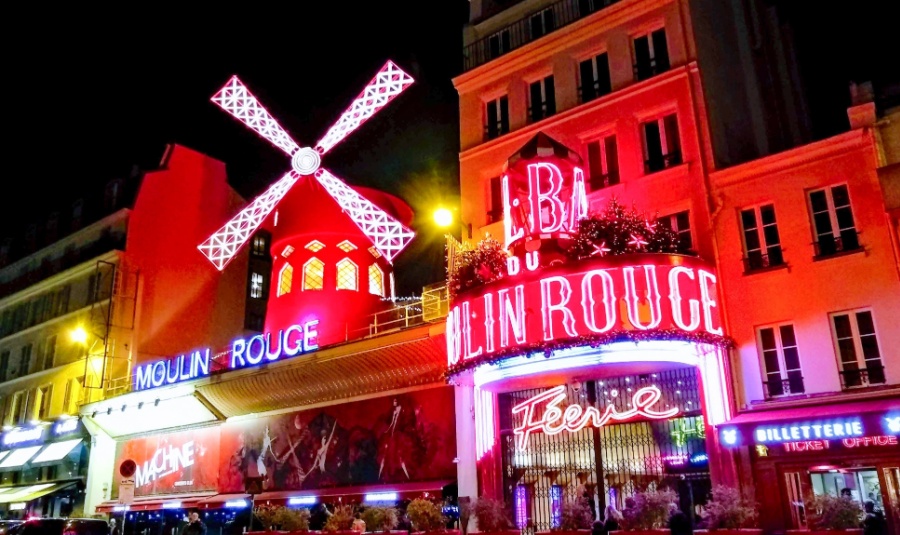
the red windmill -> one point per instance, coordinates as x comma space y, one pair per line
322, 214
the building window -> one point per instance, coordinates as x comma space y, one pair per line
256, 284
496, 117
16, 409
111, 194
541, 99
376, 280
780, 361
662, 145
4, 364
62, 300
255, 322
680, 224
285, 278
314, 246
260, 245
762, 245
42, 402
25, 360
542, 23
499, 44
603, 161
313, 274
857, 348
651, 54
595, 79
374, 252
72, 395
495, 200
347, 275
833, 221
346, 246
49, 352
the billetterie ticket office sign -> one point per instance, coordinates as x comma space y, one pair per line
639, 293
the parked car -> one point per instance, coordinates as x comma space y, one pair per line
6, 525
61, 526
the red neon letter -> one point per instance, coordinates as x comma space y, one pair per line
547, 306
553, 219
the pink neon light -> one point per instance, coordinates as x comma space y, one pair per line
575, 417
388, 235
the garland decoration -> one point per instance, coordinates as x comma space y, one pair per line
594, 341
616, 231
476, 265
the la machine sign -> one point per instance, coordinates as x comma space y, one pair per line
637, 292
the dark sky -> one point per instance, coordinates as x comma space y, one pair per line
90, 92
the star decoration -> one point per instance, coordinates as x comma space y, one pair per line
601, 249
638, 242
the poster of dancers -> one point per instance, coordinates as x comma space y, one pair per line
408, 437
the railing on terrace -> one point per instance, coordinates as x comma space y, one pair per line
529, 28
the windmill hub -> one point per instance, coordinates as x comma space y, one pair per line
306, 161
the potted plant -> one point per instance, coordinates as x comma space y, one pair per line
340, 521
649, 512
294, 521
427, 517
575, 517
492, 517
727, 512
832, 515
379, 519
264, 516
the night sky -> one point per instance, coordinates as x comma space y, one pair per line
91, 92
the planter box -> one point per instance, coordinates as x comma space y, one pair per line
666, 531
851, 531
741, 531
561, 532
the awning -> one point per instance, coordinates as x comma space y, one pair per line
18, 457
820, 410
402, 491
26, 493
155, 503
224, 500
56, 451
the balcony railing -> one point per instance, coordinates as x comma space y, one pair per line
604, 181
522, 31
784, 387
756, 261
649, 69
658, 163
830, 245
859, 378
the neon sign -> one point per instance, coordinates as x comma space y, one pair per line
245, 352
66, 426
20, 435
639, 293
815, 431
573, 418
880, 440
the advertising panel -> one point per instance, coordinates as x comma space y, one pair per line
172, 463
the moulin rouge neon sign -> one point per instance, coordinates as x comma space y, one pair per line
573, 418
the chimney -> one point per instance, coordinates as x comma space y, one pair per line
862, 105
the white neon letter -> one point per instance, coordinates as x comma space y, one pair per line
706, 279
609, 300
652, 296
286, 343
516, 312
547, 306
675, 298
579, 200
556, 210
311, 335
467, 333
489, 322
453, 335
509, 204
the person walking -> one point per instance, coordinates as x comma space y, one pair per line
194, 526
873, 522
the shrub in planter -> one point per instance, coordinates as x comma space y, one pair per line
728, 510
491, 515
828, 512
651, 510
266, 515
575, 515
379, 518
425, 515
340, 520
289, 519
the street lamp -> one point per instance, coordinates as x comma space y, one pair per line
79, 335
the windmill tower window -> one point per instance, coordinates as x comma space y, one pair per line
313, 274
376, 280
347, 275
346, 246
285, 277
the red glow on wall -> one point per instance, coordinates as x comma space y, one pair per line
642, 292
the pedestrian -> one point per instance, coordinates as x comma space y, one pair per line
680, 523
612, 518
194, 525
846, 493
113, 528
873, 523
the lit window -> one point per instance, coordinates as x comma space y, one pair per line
314, 246
375, 252
857, 348
260, 245
256, 285
314, 274
285, 277
347, 275
287, 251
346, 246
376, 280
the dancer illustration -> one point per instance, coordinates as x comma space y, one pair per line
322, 452
393, 443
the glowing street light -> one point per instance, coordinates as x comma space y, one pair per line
79, 335
443, 217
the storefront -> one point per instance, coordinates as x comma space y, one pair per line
43, 468
595, 353
805, 452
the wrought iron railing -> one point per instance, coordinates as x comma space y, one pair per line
523, 31
757, 261
784, 387
858, 378
604, 180
829, 245
658, 163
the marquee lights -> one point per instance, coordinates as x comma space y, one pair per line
387, 234
380, 497
555, 420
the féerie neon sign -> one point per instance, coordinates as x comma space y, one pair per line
575, 417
